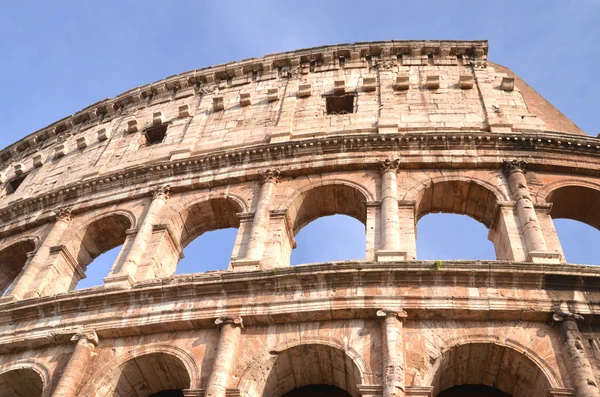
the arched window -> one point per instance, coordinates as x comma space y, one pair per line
208, 233
22, 382
313, 365
12, 260
576, 217
449, 234
321, 236
153, 374
76, 260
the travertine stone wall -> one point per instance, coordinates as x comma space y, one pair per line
433, 127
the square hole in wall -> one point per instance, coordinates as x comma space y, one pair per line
340, 104
154, 135
14, 184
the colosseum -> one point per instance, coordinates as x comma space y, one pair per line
383, 132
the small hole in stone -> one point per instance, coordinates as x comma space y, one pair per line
14, 184
154, 135
342, 104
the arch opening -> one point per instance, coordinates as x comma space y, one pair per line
313, 365
12, 260
456, 197
461, 197
153, 374
586, 210
487, 364
22, 382
329, 206
209, 228
102, 236
452, 236
329, 238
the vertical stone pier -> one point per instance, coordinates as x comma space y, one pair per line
125, 275
69, 381
580, 369
227, 348
393, 352
26, 285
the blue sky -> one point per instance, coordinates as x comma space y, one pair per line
61, 56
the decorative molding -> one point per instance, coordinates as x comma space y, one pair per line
510, 166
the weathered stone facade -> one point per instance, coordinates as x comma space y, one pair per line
384, 132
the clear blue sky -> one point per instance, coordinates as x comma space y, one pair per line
61, 56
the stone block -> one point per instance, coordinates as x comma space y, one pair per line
103, 134
38, 159
20, 169
401, 82
466, 81
433, 82
245, 99
132, 126
60, 150
82, 142
304, 90
273, 94
157, 118
184, 111
507, 84
339, 87
369, 83
218, 103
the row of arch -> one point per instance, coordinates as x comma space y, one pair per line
300, 369
468, 196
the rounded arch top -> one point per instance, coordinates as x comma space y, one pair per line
106, 378
321, 359
508, 366
30, 372
575, 199
464, 195
331, 197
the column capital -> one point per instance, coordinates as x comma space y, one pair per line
388, 165
161, 192
269, 175
63, 214
399, 313
510, 166
89, 336
559, 316
234, 320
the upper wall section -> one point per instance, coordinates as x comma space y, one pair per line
383, 87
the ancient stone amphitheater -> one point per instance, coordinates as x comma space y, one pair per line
384, 132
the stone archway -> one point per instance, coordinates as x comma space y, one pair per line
148, 375
499, 367
21, 382
312, 368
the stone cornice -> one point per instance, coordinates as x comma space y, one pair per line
529, 143
103, 304
199, 80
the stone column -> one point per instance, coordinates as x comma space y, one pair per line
393, 352
578, 364
75, 368
532, 232
124, 275
229, 340
260, 223
25, 285
390, 222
